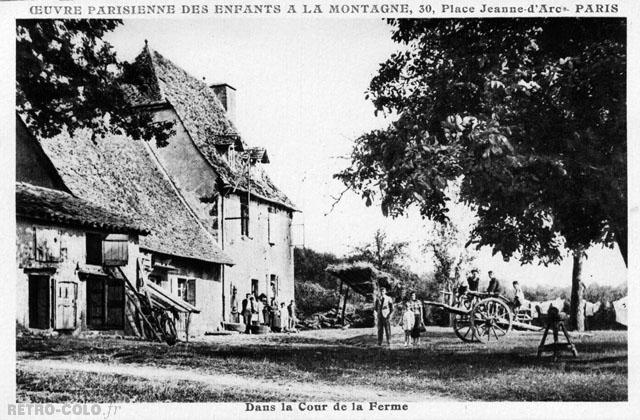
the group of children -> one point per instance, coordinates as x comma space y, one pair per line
412, 322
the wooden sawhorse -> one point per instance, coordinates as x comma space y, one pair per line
555, 322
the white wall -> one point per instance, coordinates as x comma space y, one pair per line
255, 258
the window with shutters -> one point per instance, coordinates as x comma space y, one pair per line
187, 290
112, 250
115, 250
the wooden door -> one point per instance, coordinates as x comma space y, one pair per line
105, 303
39, 302
95, 303
66, 300
114, 300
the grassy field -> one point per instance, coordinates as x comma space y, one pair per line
327, 364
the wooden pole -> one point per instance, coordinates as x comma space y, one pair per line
187, 322
344, 304
339, 298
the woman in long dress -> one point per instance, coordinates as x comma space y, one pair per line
416, 307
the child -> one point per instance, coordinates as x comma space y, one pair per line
519, 301
408, 319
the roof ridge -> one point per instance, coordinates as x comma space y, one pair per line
145, 59
202, 84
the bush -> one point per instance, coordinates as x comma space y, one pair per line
312, 298
593, 293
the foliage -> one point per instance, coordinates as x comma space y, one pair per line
312, 298
388, 256
452, 259
528, 113
69, 78
315, 289
384, 255
310, 265
593, 293
602, 293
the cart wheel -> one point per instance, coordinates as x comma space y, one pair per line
490, 320
463, 328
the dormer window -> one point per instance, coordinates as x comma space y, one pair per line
258, 155
231, 155
223, 151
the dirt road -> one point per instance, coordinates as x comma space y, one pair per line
306, 391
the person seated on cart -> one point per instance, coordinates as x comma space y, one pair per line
519, 302
473, 280
494, 284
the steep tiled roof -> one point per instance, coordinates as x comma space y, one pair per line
118, 173
203, 117
57, 206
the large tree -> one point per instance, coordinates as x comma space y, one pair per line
529, 115
68, 78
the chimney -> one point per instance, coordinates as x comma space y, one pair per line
227, 95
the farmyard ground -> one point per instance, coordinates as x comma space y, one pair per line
341, 365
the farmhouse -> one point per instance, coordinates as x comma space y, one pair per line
204, 223
120, 176
221, 179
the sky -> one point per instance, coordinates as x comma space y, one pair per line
300, 92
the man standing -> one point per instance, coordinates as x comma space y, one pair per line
494, 284
247, 305
473, 280
383, 308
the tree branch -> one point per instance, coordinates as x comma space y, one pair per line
336, 200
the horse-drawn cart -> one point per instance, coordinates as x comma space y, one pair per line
481, 316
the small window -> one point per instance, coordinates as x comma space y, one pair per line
244, 215
231, 156
215, 217
94, 248
115, 250
275, 286
182, 287
187, 290
254, 287
112, 250
48, 247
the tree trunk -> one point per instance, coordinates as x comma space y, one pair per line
577, 292
621, 239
